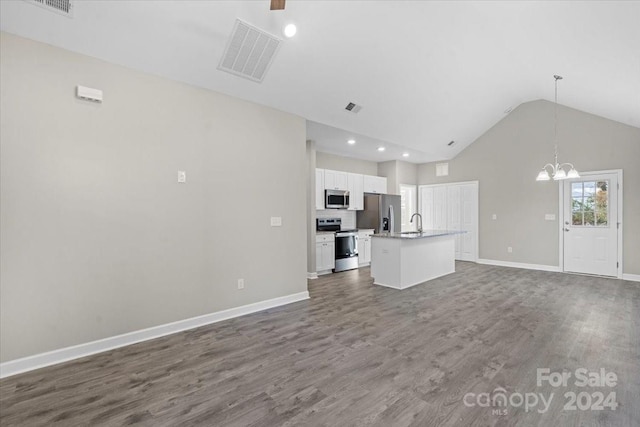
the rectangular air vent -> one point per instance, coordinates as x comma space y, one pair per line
249, 52
62, 7
353, 107
442, 169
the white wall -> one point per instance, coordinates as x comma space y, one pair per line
98, 239
345, 164
506, 161
398, 172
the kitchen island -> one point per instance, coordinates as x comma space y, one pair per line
402, 260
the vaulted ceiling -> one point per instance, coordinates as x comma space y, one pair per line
425, 73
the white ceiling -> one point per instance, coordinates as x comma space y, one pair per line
425, 73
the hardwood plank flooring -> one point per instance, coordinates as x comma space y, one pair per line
358, 354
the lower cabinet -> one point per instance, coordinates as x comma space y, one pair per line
325, 253
364, 247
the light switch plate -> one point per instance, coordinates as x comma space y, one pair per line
550, 217
494, 216
276, 221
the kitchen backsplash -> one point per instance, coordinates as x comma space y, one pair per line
348, 217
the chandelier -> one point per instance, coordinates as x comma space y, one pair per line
557, 171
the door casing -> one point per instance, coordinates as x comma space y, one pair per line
619, 219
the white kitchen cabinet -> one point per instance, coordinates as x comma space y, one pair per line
364, 247
356, 192
335, 180
319, 189
375, 184
325, 253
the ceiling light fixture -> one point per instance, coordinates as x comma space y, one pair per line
405, 154
351, 141
381, 148
290, 30
557, 170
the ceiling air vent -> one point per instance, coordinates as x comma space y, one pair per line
62, 7
353, 107
249, 52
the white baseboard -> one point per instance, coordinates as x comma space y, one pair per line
632, 277
526, 266
312, 276
49, 358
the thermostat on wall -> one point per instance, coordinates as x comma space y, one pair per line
89, 94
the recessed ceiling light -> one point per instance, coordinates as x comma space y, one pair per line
508, 110
405, 154
381, 148
290, 30
351, 141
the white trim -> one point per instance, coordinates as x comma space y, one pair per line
312, 275
41, 360
620, 254
631, 277
523, 265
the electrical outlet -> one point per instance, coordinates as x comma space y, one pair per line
494, 216
182, 177
276, 221
240, 283
510, 249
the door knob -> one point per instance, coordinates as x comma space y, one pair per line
566, 222
566, 229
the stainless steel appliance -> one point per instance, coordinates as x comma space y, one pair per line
381, 212
346, 250
336, 199
346, 243
328, 224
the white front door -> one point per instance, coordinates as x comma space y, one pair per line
590, 232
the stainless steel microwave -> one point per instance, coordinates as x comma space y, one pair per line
336, 199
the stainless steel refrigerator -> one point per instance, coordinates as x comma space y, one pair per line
381, 212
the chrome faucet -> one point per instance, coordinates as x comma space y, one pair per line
419, 225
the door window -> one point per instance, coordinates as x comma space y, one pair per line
590, 203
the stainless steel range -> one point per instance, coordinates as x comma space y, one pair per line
346, 243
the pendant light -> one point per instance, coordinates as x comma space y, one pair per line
557, 170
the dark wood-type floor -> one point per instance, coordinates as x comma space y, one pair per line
359, 354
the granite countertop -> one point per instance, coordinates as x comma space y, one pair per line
415, 235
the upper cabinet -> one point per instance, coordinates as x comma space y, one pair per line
356, 192
355, 183
334, 180
319, 189
375, 184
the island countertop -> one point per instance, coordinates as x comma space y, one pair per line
418, 235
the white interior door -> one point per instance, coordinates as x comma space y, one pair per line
453, 207
469, 222
440, 208
453, 213
590, 232
426, 207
